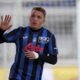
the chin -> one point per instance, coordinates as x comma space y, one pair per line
35, 27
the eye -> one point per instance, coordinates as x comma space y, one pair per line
36, 16
39, 17
33, 15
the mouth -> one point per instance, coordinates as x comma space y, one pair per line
34, 23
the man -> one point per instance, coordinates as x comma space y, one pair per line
35, 45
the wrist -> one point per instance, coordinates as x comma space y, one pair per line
36, 55
2, 30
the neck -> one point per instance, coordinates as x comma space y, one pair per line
36, 29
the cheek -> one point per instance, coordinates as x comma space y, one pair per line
42, 21
31, 20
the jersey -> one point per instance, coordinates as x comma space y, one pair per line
41, 41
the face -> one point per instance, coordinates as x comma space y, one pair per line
37, 19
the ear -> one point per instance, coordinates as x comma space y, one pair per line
44, 20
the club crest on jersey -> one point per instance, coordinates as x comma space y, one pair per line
43, 40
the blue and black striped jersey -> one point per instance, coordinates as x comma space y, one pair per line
41, 41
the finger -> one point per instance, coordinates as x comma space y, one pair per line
29, 56
28, 52
1, 19
7, 19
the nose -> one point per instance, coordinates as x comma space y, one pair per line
35, 18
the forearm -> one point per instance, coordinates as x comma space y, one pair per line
2, 39
52, 59
1, 31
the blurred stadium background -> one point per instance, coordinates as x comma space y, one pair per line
61, 20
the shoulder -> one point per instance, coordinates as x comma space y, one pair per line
23, 28
49, 33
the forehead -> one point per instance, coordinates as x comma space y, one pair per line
36, 12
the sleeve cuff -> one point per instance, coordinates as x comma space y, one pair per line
9, 30
36, 55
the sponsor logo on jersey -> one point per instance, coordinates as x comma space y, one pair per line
31, 47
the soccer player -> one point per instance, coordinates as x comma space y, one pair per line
35, 45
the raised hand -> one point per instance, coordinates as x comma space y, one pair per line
6, 22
